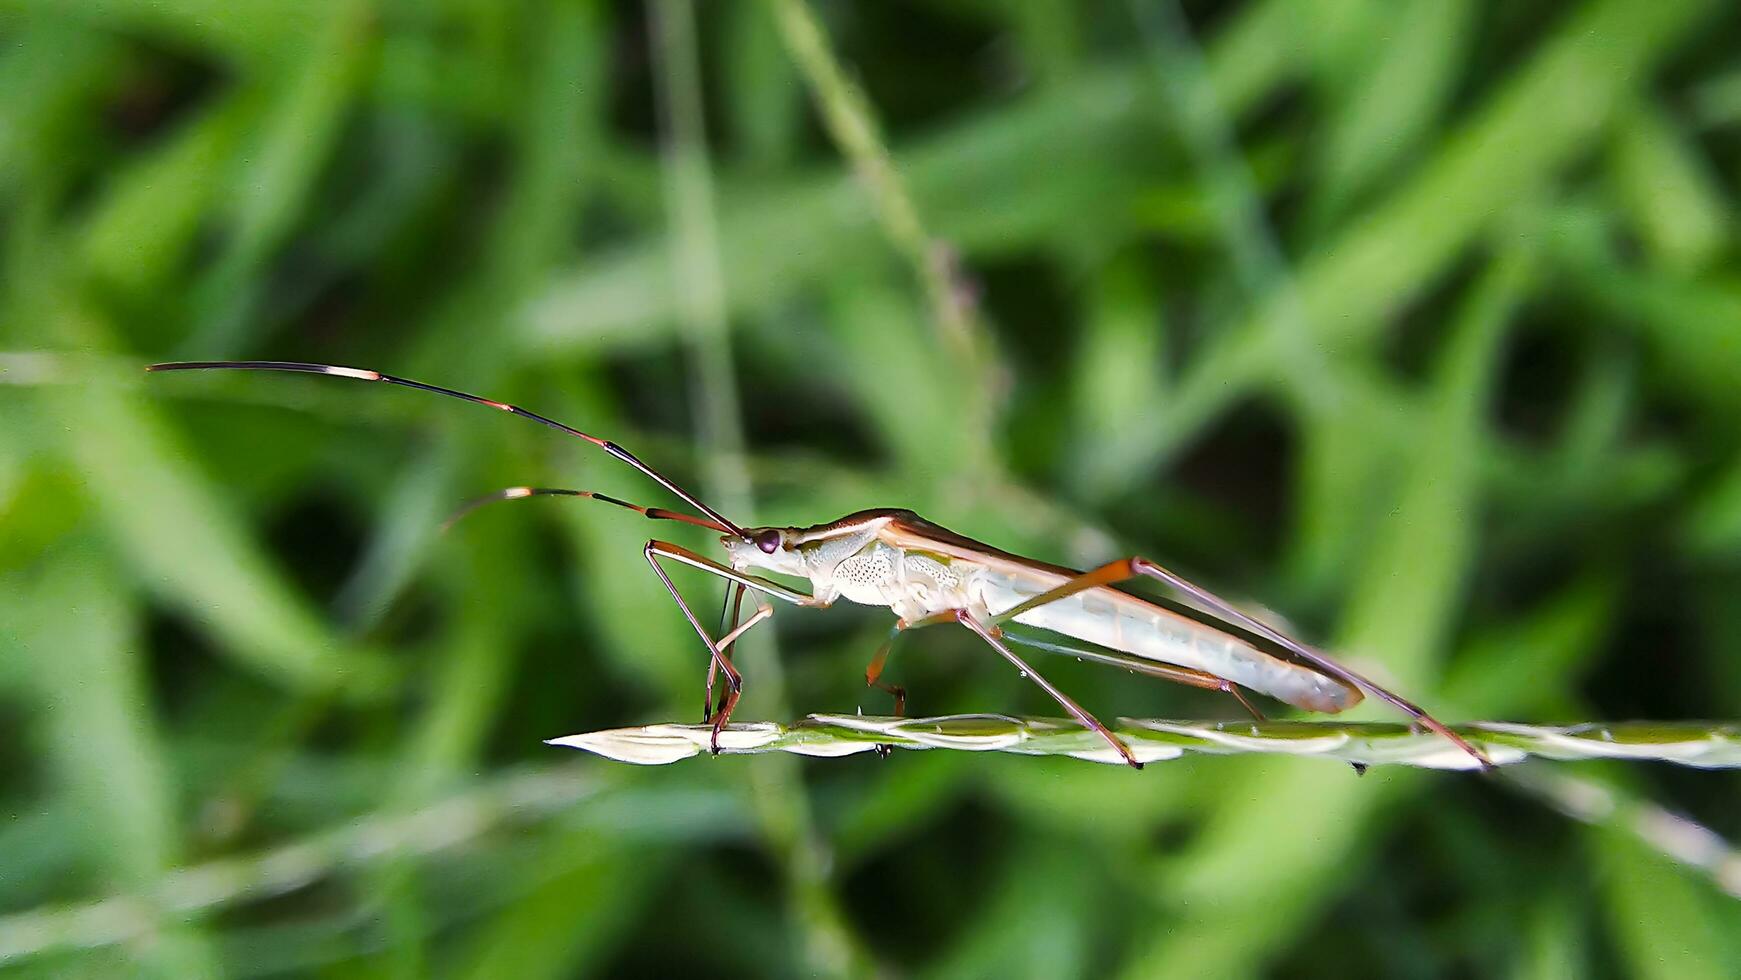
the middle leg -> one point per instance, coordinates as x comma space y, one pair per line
874, 670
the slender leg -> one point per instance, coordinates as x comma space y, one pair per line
880, 660
874, 669
1194, 678
884, 750
1166, 672
734, 680
729, 696
763, 611
728, 619
995, 636
991, 634
1128, 568
654, 550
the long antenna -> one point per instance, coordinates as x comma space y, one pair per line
364, 374
521, 493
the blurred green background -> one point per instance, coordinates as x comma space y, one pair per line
1419, 322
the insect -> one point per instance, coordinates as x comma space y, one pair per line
928, 575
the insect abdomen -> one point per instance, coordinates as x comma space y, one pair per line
1127, 623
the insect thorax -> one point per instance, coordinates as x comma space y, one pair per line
911, 583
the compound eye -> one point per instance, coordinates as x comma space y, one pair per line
768, 541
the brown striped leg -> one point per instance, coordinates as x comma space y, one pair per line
655, 550
874, 671
1181, 675
992, 635
728, 620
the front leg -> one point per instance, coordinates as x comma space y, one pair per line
728, 621
655, 550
